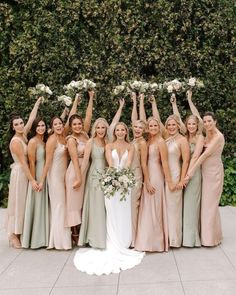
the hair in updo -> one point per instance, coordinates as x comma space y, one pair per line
211, 114
73, 117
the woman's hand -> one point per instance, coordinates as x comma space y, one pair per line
189, 94
173, 98
141, 96
77, 184
151, 189
121, 102
151, 99
91, 94
35, 185
171, 186
78, 97
133, 96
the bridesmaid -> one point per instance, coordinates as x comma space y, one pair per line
36, 222
152, 233
212, 181
179, 155
93, 227
74, 182
138, 165
20, 174
55, 170
192, 193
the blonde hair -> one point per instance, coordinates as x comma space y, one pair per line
195, 118
175, 118
141, 122
126, 128
100, 120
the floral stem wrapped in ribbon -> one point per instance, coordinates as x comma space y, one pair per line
116, 180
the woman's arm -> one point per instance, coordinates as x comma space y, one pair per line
130, 156
197, 151
185, 154
176, 112
17, 149
134, 114
193, 108
72, 112
156, 114
108, 155
72, 149
142, 113
209, 150
32, 147
32, 116
116, 119
143, 158
89, 112
64, 113
165, 165
85, 162
50, 149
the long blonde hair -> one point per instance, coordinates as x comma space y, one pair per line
126, 128
175, 118
100, 120
195, 118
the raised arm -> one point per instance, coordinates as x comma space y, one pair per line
193, 108
116, 119
17, 149
64, 113
134, 114
32, 147
32, 116
72, 112
156, 114
89, 112
176, 112
142, 113
72, 149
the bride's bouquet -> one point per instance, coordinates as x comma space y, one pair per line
194, 83
40, 90
173, 86
116, 180
79, 86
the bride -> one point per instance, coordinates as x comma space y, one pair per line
116, 256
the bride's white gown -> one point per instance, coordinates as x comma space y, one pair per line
116, 256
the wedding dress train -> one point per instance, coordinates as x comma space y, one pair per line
116, 256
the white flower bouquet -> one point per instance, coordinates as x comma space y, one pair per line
120, 90
137, 86
67, 100
194, 83
173, 86
79, 87
154, 87
40, 90
116, 180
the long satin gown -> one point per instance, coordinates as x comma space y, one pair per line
212, 187
152, 232
60, 236
36, 222
191, 210
93, 227
174, 199
74, 198
116, 256
17, 193
137, 189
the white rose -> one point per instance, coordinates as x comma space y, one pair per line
48, 90
192, 82
170, 88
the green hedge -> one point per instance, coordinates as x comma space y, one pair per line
110, 41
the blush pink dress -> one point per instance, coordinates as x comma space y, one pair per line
60, 236
74, 198
212, 186
174, 200
17, 193
152, 231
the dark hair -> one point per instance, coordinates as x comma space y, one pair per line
51, 124
34, 127
73, 117
13, 116
211, 114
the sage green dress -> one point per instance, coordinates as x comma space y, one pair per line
93, 227
191, 214
36, 221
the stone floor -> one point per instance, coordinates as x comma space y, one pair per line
184, 271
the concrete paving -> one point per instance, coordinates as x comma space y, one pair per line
199, 271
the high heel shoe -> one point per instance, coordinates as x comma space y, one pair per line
75, 239
14, 242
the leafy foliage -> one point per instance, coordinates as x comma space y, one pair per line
54, 42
